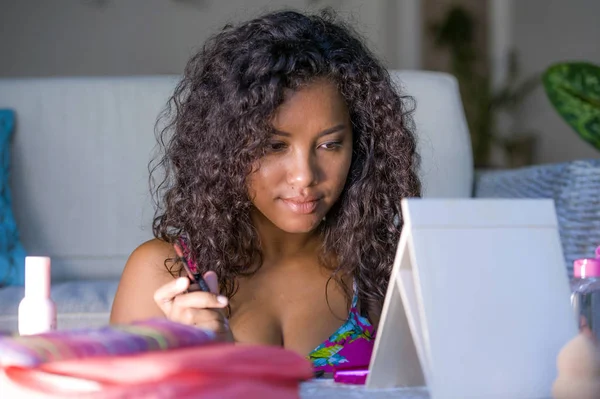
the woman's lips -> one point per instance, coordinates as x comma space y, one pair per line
301, 207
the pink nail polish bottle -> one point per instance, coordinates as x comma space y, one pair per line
37, 311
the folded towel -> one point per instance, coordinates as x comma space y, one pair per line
219, 371
115, 340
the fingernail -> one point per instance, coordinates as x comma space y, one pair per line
222, 299
181, 283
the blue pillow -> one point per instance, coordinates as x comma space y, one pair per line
12, 253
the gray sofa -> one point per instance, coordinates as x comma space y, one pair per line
79, 178
575, 189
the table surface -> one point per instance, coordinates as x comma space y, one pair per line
328, 389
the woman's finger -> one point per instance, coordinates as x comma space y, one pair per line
165, 295
207, 319
212, 280
200, 300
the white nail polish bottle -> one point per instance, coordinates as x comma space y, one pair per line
37, 311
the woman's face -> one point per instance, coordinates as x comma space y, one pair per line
307, 161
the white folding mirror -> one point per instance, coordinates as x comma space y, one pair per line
478, 300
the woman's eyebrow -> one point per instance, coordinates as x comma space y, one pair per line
325, 132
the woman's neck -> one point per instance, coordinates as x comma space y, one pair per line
277, 244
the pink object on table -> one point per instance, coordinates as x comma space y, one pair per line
587, 267
354, 375
216, 371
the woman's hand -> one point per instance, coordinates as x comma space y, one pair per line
578, 366
202, 309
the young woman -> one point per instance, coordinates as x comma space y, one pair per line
285, 160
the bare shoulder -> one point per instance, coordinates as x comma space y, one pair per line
145, 271
150, 257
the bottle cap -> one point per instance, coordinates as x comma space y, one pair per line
37, 276
587, 267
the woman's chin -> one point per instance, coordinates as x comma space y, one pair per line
299, 226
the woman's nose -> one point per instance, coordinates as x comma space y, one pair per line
303, 170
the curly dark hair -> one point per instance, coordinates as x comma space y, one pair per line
219, 124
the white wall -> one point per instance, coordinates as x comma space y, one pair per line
133, 37
125, 37
547, 31
111, 37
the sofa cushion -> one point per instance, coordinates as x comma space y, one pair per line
575, 188
443, 141
12, 253
78, 304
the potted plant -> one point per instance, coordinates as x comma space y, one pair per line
455, 33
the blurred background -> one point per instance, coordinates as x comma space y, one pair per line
498, 50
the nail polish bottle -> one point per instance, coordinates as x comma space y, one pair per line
37, 311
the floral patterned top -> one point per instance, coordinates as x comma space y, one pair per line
350, 346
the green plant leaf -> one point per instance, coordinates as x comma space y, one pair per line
573, 88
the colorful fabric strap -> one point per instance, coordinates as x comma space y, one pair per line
126, 339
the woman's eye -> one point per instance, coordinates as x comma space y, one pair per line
331, 145
276, 146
